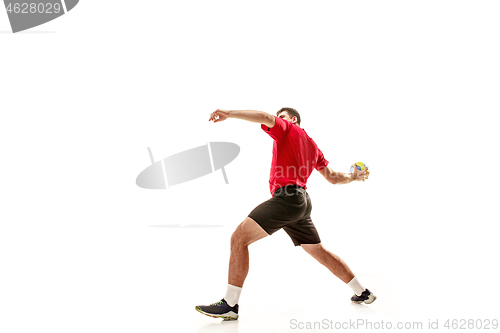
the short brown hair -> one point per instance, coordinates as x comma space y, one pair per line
291, 112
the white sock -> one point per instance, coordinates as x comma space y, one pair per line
232, 295
356, 286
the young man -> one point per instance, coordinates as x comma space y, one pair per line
295, 155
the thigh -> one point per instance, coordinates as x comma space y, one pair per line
271, 215
276, 213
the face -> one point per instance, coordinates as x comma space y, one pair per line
286, 116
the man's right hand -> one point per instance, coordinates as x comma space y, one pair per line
357, 175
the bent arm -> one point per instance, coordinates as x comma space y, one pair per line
253, 116
334, 177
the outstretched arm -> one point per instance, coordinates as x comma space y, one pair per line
248, 115
338, 178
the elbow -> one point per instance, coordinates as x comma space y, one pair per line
268, 119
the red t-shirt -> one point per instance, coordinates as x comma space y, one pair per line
295, 155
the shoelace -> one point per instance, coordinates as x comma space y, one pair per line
217, 303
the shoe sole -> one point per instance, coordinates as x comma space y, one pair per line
227, 316
371, 299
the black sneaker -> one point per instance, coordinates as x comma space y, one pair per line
219, 310
367, 296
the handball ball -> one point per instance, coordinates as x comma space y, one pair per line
359, 165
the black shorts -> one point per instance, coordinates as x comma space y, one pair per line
290, 209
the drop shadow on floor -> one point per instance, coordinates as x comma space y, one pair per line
221, 326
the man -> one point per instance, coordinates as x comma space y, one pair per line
295, 155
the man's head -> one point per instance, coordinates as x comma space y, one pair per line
289, 114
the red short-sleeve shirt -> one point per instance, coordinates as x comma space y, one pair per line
295, 155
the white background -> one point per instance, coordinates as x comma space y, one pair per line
410, 88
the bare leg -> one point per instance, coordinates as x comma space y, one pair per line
331, 261
245, 234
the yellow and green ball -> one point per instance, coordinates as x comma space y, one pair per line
360, 166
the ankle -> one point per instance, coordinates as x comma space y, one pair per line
232, 295
356, 286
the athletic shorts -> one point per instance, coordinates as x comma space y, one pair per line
290, 209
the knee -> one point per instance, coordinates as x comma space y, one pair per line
237, 240
315, 250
